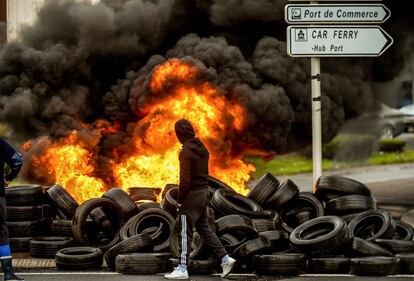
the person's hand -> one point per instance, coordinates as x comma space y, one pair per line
6, 182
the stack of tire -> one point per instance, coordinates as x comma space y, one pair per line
24, 212
336, 230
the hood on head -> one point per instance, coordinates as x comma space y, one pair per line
184, 130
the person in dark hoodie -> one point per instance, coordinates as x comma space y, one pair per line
15, 160
193, 200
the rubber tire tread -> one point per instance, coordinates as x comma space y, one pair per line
136, 243
142, 264
367, 248
125, 203
327, 242
329, 265
47, 247
66, 261
349, 204
385, 232
263, 189
260, 245
81, 215
396, 246
23, 195
289, 264
62, 200
286, 192
374, 266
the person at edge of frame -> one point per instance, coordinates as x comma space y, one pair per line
193, 199
15, 160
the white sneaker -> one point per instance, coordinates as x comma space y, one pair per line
228, 266
177, 274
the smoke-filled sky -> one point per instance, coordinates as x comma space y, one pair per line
81, 62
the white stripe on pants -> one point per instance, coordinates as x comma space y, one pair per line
183, 239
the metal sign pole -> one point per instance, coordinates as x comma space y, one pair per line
316, 118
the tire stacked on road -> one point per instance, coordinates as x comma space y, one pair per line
23, 204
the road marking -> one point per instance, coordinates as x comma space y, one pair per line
67, 273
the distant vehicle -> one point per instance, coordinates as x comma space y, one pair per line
408, 110
379, 120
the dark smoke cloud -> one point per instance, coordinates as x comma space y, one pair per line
81, 62
234, 12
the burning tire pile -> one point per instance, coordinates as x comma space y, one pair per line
274, 230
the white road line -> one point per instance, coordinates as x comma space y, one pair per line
67, 273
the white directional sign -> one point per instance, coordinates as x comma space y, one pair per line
337, 41
336, 13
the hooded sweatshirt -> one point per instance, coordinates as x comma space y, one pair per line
193, 160
13, 159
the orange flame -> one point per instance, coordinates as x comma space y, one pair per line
71, 164
154, 161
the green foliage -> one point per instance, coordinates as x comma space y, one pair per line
391, 145
383, 158
330, 149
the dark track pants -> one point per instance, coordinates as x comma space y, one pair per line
194, 213
4, 231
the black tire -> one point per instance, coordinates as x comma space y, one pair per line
21, 213
62, 201
148, 205
98, 215
231, 242
169, 203
231, 223
22, 228
142, 264
79, 225
153, 218
334, 234
287, 191
350, 204
263, 189
46, 247
228, 203
262, 225
198, 267
144, 193
406, 263
253, 247
396, 246
279, 239
340, 186
124, 202
288, 264
61, 228
136, 243
23, 195
366, 248
329, 265
350, 217
403, 231
372, 224
216, 184
79, 258
374, 266
20, 244
303, 204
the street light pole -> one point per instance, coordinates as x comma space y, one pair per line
316, 118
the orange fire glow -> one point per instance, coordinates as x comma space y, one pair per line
154, 161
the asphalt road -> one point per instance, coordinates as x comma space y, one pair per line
76, 276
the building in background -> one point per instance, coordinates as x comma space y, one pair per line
14, 14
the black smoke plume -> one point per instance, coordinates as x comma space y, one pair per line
83, 62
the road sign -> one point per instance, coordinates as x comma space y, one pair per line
337, 41
336, 13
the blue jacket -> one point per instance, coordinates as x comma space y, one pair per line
13, 158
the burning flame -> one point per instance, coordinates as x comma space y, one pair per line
154, 161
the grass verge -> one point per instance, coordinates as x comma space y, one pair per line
295, 164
